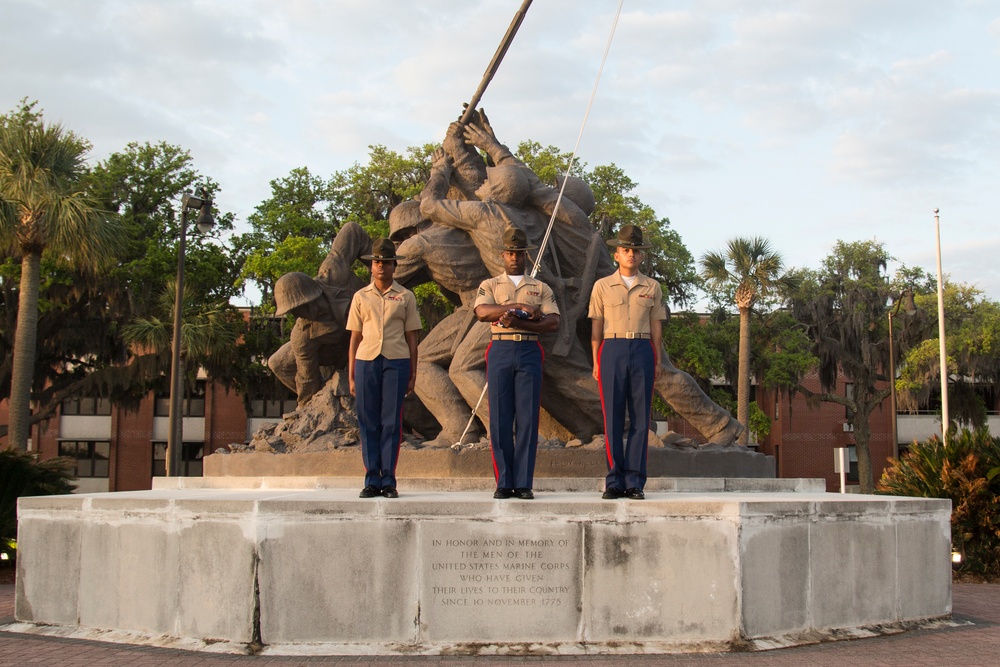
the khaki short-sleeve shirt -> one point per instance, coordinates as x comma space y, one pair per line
383, 320
627, 310
500, 290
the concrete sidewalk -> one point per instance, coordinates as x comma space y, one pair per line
975, 641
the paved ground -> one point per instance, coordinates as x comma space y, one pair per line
975, 642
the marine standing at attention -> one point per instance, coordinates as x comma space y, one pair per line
382, 366
627, 313
520, 307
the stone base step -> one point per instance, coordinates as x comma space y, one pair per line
485, 484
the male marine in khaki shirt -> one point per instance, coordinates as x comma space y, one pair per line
520, 307
627, 313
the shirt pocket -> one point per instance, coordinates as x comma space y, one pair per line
616, 306
504, 294
646, 301
531, 296
393, 309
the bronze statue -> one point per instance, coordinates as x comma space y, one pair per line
450, 235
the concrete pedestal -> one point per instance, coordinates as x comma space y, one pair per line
445, 462
317, 570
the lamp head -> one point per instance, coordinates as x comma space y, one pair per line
205, 220
909, 305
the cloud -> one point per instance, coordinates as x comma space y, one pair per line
994, 29
804, 121
901, 130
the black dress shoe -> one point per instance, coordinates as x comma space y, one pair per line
635, 494
613, 494
502, 493
524, 494
390, 492
369, 492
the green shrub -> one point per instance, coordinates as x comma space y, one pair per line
22, 474
962, 472
760, 423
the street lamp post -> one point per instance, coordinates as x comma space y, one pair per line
911, 308
175, 432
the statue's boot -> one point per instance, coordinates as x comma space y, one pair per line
727, 435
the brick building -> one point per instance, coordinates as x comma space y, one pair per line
122, 450
803, 438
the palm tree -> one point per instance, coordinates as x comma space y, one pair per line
210, 331
43, 209
751, 269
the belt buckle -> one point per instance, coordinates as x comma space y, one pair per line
630, 335
516, 338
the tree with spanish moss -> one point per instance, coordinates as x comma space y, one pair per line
973, 354
845, 306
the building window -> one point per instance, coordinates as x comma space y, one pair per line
159, 459
193, 404
92, 457
272, 408
86, 406
848, 393
191, 459
272, 402
852, 460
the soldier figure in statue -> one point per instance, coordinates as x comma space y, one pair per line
319, 338
447, 257
568, 396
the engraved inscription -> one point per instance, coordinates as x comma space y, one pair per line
503, 572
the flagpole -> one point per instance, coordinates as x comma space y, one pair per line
943, 349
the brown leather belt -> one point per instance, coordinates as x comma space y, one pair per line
630, 335
515, 337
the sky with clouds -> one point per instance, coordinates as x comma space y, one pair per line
804, 121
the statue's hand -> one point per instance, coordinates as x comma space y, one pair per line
440, 160
478, 137
454, 140
482, 121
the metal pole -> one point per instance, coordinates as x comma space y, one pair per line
843, 469
494, 65
943, 351
892, 388
175, 432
